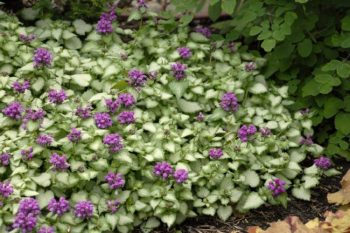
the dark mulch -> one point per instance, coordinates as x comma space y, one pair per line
306, 210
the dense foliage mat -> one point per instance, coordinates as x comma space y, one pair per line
117, 128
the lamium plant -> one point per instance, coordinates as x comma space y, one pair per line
105, 128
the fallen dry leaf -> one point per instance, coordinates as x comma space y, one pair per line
342, 197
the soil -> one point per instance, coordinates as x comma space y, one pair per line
305, 210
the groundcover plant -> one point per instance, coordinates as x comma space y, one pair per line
104, 129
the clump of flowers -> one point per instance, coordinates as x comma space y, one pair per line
215, 153
21, 87
250, 66
180, 175
4, 159
114, 142
104, 25
163, 170
26, 38
84, 209
277, 187
103, 120
323, 163
306, 141
57, 96
59, 162
126, 99
114, 180
265, 132
13, 110
59, 206
178, 70
26, 217
126, 117
229, 102
141, 3
112, 105
113, 205
205, 31
32, 115
184, 52
137, 78
44, 140
232, 47
42, 57
83, 113
245, 131
27, 154
74, 135
200, 117
6, 189
46, 230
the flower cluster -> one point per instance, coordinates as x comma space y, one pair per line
265, 132
323, 162
59, 162
141, 3
44, 140
114, 180
215, 153
103, 120
250, 66
113, 205
32, 115
184, 52
114, 142
180, 175
178, 70
46, 230
126, 117
59, 206
83, 113
26, 38
13, 110
126, 99
200, 117
74, 135
84, 209
27, 214
205, 31
163, 170
245, 131
21, 87
104, 25
5, 189
229, 102
306, 141
42, 57
27, 154
112, 105
277, 187
4, 159
57, 96
137, 78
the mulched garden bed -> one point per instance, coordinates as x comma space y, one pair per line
305, 210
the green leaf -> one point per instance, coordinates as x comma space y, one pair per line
228, 6
44, 179
331, 106
224, 212
169, 219
81, 27
44, 198
310, 182
343, 70
302, 193
255, 30
305, 47
251, 178
73, 43
178, 88
188, 107
186, 19
268, 44
198, 37
82, 80
214, 11
345, 23
253, 201
342, 122
112, 220
258, 88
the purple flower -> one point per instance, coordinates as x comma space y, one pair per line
126, 99
306, 141
141, 3
74, 135
178, 70
27, 154
215, 153
46, 230
200, 117
323, 162
184, 52
250, 66
232, 46
152, 74
229, 102
163, 170
245, 131
4, 159
42, 57
83, 113
137, 78
112, 105
265, 132
26, 38
25, 222
44, 140
205, 31
34, 115
126, 117
305, 111
277, 187
5, 189
104, 25
59, 206
59, 162
21, 87
114, 142
113, 205
180, 175
103, 120
57, 96
84, 209
114, 180
14, 110
29, 206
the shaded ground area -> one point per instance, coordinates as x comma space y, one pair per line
306, 210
